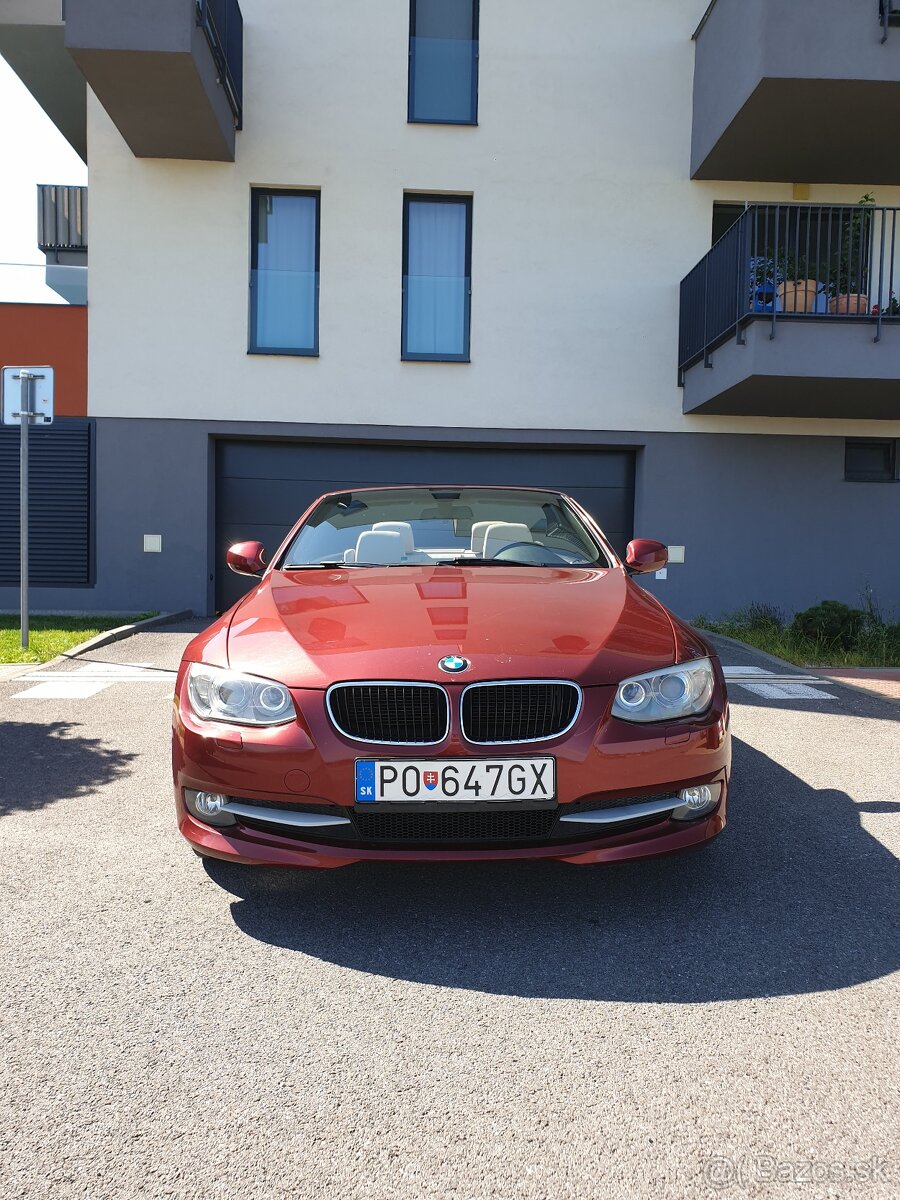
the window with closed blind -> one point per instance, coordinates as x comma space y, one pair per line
284, 273
437, 269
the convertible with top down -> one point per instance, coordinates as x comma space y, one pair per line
448, 673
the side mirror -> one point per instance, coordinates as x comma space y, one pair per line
247, 558
644, 555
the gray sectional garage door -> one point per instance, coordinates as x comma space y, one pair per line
263, 487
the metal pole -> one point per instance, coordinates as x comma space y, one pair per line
26, 384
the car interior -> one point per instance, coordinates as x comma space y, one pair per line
346, 531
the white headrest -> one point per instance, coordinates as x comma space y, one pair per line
479, 529
401, 527
379, 547
350, 556
504, 533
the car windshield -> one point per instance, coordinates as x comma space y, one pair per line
444, 526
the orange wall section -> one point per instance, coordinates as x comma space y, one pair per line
53, 335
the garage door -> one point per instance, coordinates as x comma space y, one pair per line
263, 487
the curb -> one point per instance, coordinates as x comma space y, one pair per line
14, 670
119, 634
792, 667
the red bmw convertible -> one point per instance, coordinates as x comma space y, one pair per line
435, 673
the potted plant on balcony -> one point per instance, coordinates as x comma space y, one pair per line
851, 265
796, 292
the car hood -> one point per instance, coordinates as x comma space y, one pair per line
316, 627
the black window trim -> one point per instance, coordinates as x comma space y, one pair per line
441, 198
410, 91
889, 476
255, 193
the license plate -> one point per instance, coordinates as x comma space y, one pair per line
456, 780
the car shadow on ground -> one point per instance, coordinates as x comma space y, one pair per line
46, 762
794, 897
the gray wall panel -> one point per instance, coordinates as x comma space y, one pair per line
766, 519
763, 518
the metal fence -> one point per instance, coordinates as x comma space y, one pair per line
792, 261
223, 24
62, 217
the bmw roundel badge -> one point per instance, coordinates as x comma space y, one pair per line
453, 664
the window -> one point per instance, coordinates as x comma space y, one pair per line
284, 273
423, 526
870, 460
443, 61
437, 265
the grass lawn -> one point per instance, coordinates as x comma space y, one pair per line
873, 647
50, 636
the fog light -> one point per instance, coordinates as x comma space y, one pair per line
695, 797
208, 807
209, 803
696, 801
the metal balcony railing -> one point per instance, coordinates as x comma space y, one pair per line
62, 217
779, 262
223, 24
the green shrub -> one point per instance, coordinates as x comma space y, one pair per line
762, 616
880, 642
832, 622
822, 636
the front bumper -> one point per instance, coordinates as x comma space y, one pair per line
307, 765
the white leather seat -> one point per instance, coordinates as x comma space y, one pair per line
379, 546
503, 533
479, 529
404, 529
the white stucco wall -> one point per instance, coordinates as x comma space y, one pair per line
585, 221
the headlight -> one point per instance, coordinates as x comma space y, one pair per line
218, 695
677, 691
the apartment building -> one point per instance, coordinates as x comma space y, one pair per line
613, 248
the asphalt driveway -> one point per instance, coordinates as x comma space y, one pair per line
720, 1023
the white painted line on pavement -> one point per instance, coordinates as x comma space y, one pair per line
771, 686
89, 680
738, 674
787, 691
59, 689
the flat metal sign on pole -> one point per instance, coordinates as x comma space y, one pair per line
31, 401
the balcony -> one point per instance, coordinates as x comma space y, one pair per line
62, 236
168, 73
32, 40
798, 91
794, 312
